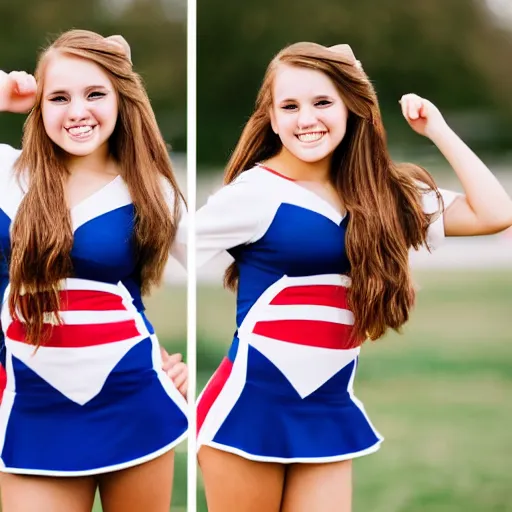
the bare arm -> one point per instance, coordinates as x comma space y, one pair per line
486, 207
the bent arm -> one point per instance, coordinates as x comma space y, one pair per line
485, 208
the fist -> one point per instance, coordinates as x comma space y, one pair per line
422, 115
17, 92
176, 370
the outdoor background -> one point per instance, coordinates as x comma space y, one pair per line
156, 31
440, 393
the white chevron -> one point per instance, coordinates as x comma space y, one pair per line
307, 368
77, 373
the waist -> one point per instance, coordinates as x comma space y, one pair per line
90, 313
311, 310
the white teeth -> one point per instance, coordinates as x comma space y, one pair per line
80, 130
310, 137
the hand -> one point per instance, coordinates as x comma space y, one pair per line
422, 115
17, 92
176, 370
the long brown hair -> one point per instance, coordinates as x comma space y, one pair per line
383, 199
42, 236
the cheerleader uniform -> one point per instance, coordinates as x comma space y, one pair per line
284, 393
94, 397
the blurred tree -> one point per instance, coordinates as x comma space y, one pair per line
155, 29
447, 50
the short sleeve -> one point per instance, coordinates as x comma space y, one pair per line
237, 214
435, 232
179, 246
8, 157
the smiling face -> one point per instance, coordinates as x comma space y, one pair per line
307, 113
79, 105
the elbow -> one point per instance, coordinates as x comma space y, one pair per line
502, 221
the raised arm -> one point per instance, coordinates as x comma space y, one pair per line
485, 207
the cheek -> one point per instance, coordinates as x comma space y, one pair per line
337, 122
52, 118
107, 114
286, 125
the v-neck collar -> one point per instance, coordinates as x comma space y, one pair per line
338, 214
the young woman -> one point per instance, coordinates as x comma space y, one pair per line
319, 221
88, 214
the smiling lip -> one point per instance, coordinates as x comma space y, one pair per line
309, 137
80, 132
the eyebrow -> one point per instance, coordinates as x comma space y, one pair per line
316, 98
89, 88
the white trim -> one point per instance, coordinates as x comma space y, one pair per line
165, 381
334, 279
88, 317
296, 194
74, 283
358, 403
294, 460
96, 471
254, 314
228, 396
306, 368
109, 198
306, 312
7, 401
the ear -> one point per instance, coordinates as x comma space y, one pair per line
273, 121
121, 44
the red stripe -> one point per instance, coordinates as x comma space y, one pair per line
74, 336
275, 172
314, 295
213, 390
90, 300
312, 333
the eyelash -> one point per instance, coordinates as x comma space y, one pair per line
95, 94
321, 103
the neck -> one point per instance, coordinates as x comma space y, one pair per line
289, 165
100, 162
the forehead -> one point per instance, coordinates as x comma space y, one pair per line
294, 82
65, 72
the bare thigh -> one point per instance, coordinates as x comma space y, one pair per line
318, 488
23, 493
235, 484
147, 486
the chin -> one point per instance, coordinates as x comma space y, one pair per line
81, 150
312, 158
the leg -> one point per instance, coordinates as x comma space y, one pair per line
22, 493
318, 488
235, 484
147, 486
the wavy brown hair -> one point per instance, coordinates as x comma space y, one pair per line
42, 236
383, 199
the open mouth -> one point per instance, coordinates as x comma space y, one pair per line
310, 136
80, 132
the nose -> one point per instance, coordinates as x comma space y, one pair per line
307, 117
77, 110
